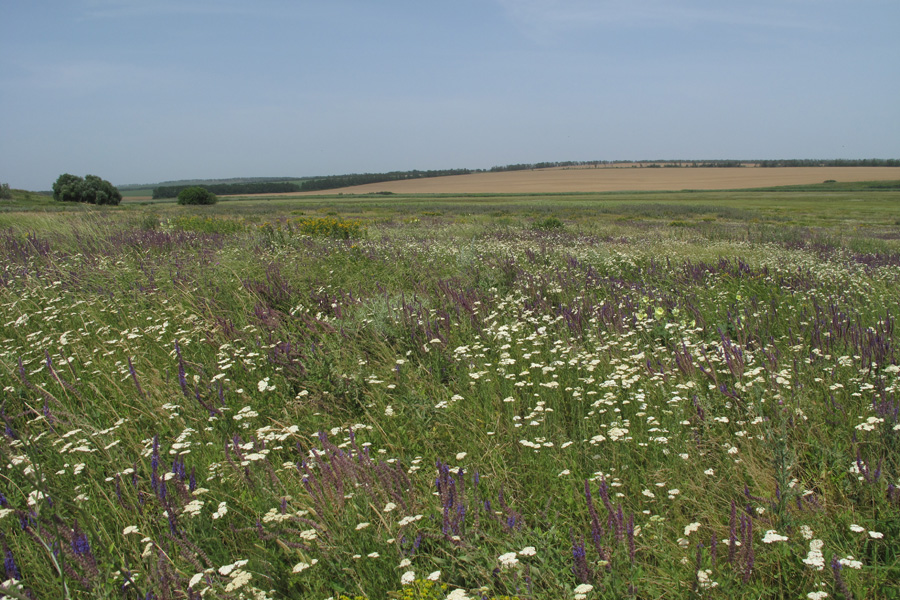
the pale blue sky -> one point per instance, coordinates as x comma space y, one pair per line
141, 91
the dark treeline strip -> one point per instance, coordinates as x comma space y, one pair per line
225, 189
550, 165
310, 185
339, 181
838, 162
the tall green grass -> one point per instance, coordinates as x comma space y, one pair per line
522, 398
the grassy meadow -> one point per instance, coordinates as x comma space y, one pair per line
573, 396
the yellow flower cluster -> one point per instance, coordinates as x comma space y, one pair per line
328, 227
421, 589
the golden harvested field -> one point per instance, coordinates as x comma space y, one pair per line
614, 179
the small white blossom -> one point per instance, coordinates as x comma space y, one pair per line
582, 591
691, 528
508, 560
302, 566
815, 558
772, 536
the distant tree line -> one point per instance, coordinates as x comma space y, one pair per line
339, 181
312, 184
550, 165
725, 163
837, 162
230, 189
190, 182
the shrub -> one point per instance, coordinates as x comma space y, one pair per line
91, 189
548, 223
5, 192
196, 195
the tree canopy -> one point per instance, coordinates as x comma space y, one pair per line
196, 195
90, 189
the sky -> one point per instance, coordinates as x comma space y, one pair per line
145, 91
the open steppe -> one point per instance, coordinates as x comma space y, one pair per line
581, 396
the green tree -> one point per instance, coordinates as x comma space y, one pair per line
99, 191
5, 192
91, 189
67, 188
196, 195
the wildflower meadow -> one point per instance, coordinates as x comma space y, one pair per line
557, 397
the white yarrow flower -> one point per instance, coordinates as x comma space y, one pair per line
815, 558
773, 536
508, 560
582, 591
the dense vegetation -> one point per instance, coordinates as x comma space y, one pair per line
226, 189
339, 181
836, 162
196, 195
90, 190
582, 396
869, 162
307, 185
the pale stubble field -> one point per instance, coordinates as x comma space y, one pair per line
614, 179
